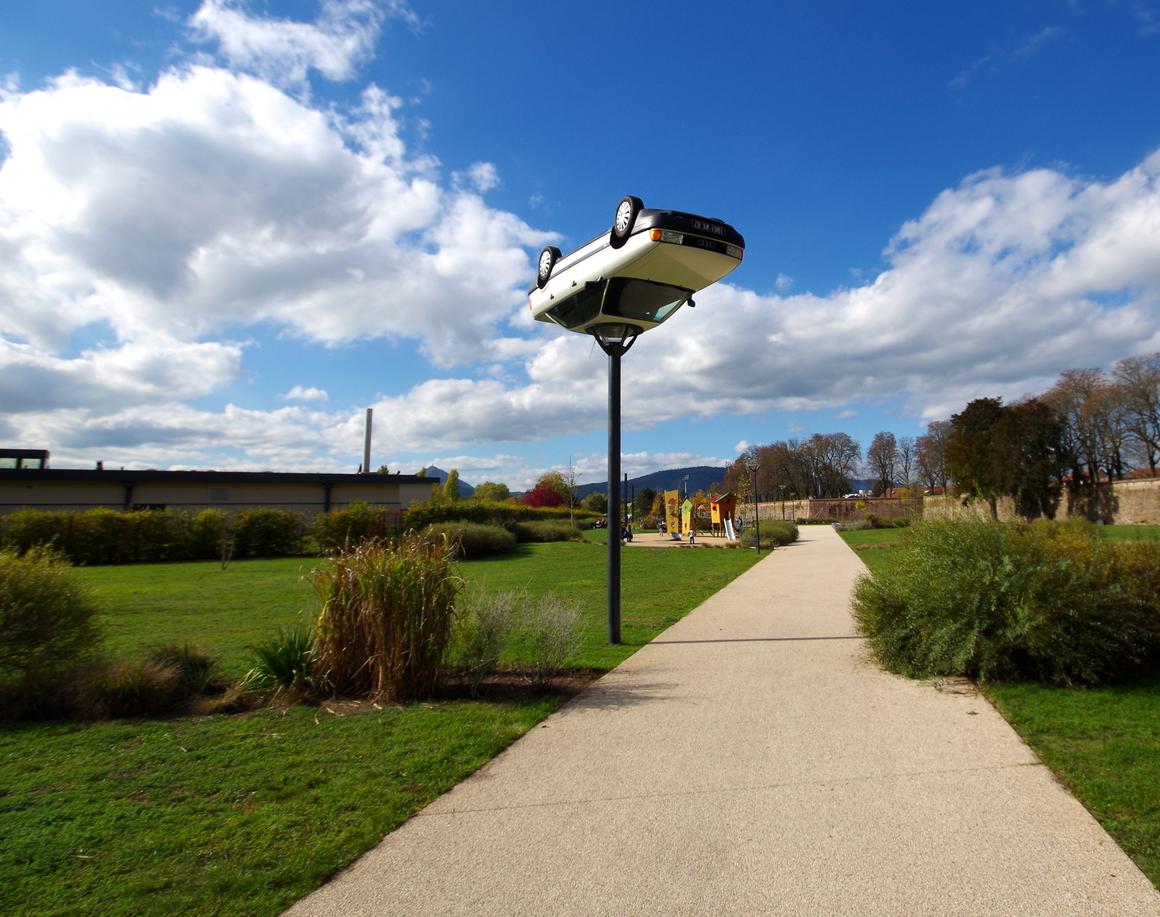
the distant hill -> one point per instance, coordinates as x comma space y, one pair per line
465, 490
701, 477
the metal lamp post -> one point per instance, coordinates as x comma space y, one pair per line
615, 340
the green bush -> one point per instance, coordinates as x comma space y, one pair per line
342, 528
47, 627
128, 688
774, 532
544, 531
469, 540
483, 623
1052, 602
551, 630
267, 532
386, 615
488, 512
29, 528
211, 535
283, 664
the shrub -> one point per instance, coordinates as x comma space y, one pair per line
1048, 601
283, 664
128, 687
355, 524
386, 614
545, 530
268, 532
28, 528
551, 630
471, 540
774, 532
483, 622
488, 512
194, 666
47, 624
211, 535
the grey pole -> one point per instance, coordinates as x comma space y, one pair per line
613, 494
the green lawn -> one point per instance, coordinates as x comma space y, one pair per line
1102, 743
244, 814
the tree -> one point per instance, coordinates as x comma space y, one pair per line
931, 454
906, 460
642, 502
383, 469
451, 486
550, 490
882, 457
969, 455
1139, 379
422, 472
489, 490
1027, 455
596, 502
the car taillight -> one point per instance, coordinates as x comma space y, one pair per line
665, 235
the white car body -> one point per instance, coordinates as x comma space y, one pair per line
639, 278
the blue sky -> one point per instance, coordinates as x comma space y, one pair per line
227, 228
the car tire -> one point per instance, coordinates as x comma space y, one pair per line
624, 219
548, 258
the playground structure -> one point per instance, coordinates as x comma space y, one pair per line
681, 516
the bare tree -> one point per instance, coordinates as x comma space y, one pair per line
906, 460
931, 451
882, 457
1139, 378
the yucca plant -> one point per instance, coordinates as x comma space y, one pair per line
386, 614
283, 664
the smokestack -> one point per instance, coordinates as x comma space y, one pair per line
367, 444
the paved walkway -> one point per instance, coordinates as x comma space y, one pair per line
751, 759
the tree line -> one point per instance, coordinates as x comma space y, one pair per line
1090, 427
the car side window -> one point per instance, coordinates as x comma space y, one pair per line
581, 308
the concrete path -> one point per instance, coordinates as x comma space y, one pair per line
751, 759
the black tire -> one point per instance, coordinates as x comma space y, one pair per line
548, 258
623, 219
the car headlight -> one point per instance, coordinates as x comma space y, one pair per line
666, 235
734, 251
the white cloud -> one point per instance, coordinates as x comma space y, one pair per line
283, 51
214, 200
480, 176
1002, 283
306, 393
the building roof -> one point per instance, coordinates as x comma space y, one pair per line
127, 475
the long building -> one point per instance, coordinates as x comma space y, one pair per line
304, 492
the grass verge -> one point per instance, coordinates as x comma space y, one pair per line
244, 814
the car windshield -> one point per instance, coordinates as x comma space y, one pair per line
642, 299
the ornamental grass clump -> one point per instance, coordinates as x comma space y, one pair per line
386, 615
1052, 602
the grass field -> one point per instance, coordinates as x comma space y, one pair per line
1102, 743
244, 814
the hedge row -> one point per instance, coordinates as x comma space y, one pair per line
490, 512
108, 536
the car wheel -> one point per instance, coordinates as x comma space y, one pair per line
548, 258
624, 219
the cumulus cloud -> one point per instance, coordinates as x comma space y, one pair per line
283, 51
306, 393
215, 200
1004, 281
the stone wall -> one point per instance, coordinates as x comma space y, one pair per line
1123, 502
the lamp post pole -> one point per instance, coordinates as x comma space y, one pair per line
614, 340
614, 355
